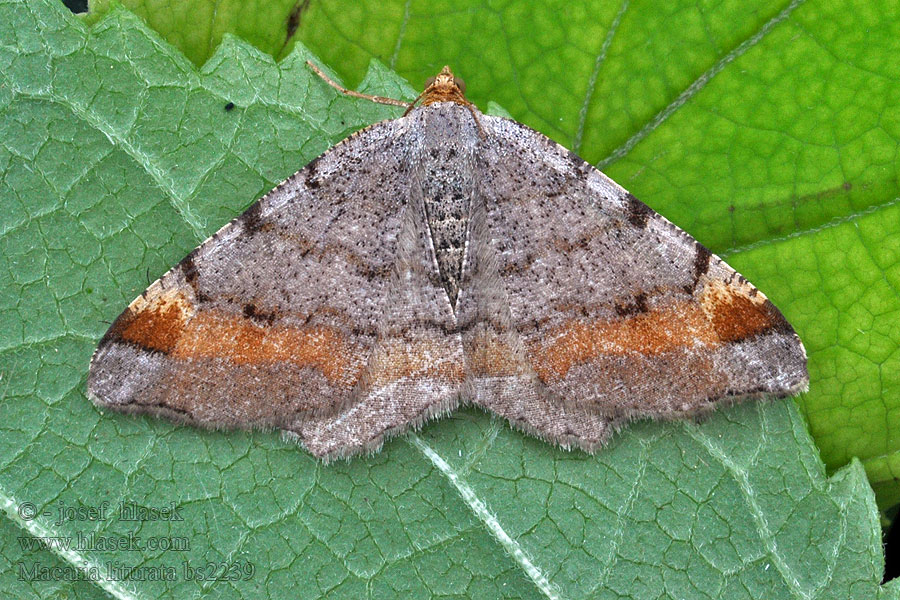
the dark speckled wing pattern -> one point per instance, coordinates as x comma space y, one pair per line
444, 257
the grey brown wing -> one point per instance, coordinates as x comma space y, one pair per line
613, 313
284, 316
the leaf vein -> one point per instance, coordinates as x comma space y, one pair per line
697, 85
836, 221
81, 562
592, 82
739, 476
484, 514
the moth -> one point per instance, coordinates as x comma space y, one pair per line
442, 258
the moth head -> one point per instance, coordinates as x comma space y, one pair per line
444, 87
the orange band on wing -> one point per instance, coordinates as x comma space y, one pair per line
167, 321
739, 311
216, 334
723, 314
155, 320
579, 341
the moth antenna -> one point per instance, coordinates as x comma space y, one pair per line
346, 92
481, 133
412, 104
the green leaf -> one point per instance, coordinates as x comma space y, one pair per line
197, 27
768, 131
118, 156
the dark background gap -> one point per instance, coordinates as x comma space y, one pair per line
76, 6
